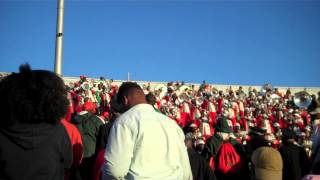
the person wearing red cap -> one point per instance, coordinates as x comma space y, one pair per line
88, 125
88, 105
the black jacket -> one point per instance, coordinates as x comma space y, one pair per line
34, 151
200, 167
295, 161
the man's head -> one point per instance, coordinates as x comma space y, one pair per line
86, 99
189, 140
236, 128
276, 126
288, 135
223, 126
199, 145
129, 95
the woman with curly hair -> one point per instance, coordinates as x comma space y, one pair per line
33, 143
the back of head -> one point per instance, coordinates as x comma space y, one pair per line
223, 126
32, 96
130, 94
267, 164
288, 136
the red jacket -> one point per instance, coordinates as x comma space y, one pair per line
76, 141
97, 174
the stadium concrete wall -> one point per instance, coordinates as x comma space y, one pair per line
310, 90
283, 89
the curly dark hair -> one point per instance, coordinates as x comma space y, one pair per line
32, 96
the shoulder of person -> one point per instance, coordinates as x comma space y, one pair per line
128, 118
234, 142
125, 118
215, 141
97, 120
216, 138
59, 127
60, 131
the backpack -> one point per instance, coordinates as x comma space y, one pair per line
228, 159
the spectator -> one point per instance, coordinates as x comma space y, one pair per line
212, 150
102, 138
295, 164
33, 144
199, 166
257, 139
77, 149
144, 144
267, 164
88, 125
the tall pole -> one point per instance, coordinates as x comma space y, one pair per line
128, 77
59, 38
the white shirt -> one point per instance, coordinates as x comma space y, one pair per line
145, 144
315, 135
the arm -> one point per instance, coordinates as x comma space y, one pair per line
119, 152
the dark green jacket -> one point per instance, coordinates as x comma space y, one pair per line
213, 145
88, 125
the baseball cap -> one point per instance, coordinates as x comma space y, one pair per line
267, 164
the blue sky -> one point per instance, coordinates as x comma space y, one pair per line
224, 42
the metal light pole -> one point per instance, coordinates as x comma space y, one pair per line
59, 38
128, 78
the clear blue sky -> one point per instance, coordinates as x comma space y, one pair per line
224, 42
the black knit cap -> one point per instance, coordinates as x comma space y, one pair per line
255, 131
287, 134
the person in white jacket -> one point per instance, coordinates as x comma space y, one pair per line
143, 143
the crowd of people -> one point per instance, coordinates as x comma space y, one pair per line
229, 134
251, 119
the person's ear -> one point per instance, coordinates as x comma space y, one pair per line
125, 101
